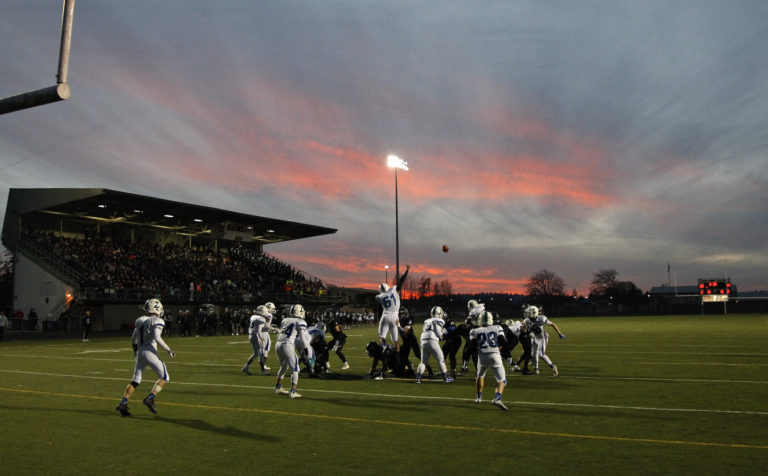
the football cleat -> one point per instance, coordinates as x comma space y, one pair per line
514, 368
555, 373
345, 366
536, 372
418, 380
448, 380
479, 400
498, 403
246, 371
267, 368
265, 372
281, 391
150, 404
123, 409
378, 377
295, 394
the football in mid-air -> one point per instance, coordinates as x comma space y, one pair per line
445, 248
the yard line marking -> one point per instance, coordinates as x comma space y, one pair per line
585, 377
414, 424
418, 397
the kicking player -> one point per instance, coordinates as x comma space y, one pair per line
291, 328
488, 338
256, 338
389, 298
431, 334
145, 339
535, 323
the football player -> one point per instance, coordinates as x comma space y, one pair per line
431, 334
317, 342
338, 341
255, 337
475, 310
389, 299
291, 328
265, 339
379, 354
452, 344
488, 338
147, 335
536, 324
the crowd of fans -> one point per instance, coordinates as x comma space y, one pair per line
117, 267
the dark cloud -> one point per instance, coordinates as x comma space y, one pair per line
572, 137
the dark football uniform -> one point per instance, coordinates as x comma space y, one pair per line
338, 341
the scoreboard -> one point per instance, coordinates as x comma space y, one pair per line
714, 290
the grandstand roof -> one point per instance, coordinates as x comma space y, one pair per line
100, 206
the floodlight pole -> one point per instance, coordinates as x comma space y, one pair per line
51, 94
397, 235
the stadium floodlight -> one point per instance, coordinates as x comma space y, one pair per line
386, 273
397, 163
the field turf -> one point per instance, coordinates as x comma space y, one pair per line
636, 395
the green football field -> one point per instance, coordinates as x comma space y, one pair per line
635, 395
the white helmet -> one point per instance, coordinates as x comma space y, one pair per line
510, 323
270, 306
154, 306
486, 319
320, 325
531, 312
262, 311
471, 304
437, 311
297, 310
383, 287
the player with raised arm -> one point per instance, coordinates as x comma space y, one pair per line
431, 334
292, 328
389, 299
536, 324
147, 335
256, 338
488, 338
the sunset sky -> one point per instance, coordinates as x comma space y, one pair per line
568, 136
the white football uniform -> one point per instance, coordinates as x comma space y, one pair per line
291, 329
390, 304
489, 357
431, 334
147, 335
266, 341
539, 339
255, 335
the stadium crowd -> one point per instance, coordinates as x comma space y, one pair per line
115, 266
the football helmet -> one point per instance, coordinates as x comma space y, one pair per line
531, 312
320, 325
270, 306
471, 304
262, 311
297, 311
437, 311
486, 319
383, 287
154, 306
